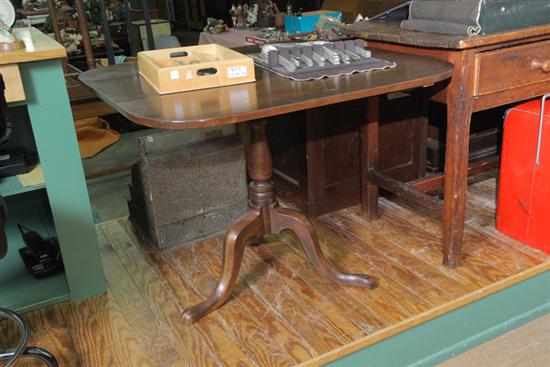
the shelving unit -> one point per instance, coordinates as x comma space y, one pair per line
10, 186
20, 290
60, 207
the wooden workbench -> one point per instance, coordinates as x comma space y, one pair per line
490, 71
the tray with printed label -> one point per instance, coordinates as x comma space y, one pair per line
196, 67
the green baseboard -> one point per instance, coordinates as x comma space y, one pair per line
458, 331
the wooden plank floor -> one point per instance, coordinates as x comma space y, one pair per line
282, 312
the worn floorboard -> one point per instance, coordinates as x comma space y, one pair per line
282, 312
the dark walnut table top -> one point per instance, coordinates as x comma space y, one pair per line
390, 31
271, 95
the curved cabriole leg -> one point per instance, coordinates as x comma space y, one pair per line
238, 237
282, 218
265, 217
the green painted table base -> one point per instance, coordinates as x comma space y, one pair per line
53, 128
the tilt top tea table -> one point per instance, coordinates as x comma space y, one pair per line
122, 87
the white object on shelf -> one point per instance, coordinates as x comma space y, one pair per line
7, 12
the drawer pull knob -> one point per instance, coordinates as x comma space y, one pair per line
542, 65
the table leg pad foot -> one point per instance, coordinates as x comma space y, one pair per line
283, 218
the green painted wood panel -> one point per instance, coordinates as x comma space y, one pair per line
52, 124
20, 290
453, 333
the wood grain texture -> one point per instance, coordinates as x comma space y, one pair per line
282, 312
14, 85
271, 94
192, 348
527, 60
45, 48
49, 330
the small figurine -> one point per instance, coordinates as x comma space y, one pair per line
270, 9
233, 13
240, 16
71, 40
252, 16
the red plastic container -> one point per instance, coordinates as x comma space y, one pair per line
523, 207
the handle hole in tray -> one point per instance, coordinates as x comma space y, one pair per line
178, 54
207, 71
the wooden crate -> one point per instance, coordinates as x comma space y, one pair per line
184, 194
216, 66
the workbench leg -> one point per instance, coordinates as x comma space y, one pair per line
369, 159
266, 217
53, 128
459, 113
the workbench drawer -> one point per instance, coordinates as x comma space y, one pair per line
512, 67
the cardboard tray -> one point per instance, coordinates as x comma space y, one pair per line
171, 70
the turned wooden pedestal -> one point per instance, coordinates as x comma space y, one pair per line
264, 217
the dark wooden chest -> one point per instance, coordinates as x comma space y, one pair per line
317, 150
187, 194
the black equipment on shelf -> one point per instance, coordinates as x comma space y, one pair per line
42, 257
11, 356
13, 161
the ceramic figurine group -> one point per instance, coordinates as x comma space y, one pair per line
247, 15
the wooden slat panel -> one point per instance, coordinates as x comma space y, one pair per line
356, 308
101, 334
179, 276
387, 298
493, 256
246, 329
282, 312
14, 85
423, 243
299, 309
154, 339
192, 347
387, 244
49, 330
404, 286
